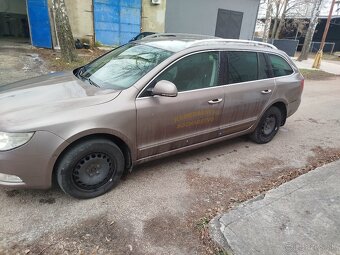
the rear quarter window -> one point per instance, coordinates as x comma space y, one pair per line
279, 66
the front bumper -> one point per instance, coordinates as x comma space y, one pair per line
33, 162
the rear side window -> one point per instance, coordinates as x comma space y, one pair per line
264, 68
280, 66
242, 66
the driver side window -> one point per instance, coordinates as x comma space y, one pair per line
193, 72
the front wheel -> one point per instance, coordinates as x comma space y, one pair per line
90, 168
268, 126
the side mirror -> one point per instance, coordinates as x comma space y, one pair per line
165, 88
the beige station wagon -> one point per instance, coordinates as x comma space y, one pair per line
145, 100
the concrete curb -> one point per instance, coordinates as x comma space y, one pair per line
216, 228
216, 234
305, 207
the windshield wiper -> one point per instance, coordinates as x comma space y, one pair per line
92, 82
81, 71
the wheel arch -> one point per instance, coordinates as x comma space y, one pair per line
122, 144
283, 109
281, 104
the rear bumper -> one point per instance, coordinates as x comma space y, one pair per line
33, 162
292, 107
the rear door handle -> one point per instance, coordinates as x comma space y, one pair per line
267, 91
215, 101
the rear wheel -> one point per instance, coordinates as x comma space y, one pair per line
90, 168
268, 126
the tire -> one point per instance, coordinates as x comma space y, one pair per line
268, 126
90, 168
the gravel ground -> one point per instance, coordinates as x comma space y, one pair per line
19, 62
163, 207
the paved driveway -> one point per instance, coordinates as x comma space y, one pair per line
159, 208
18, 61
329, 66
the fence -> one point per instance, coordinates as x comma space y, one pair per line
286, 45
329, 47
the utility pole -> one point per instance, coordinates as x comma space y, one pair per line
318, 56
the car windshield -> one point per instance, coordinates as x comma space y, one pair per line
122, 67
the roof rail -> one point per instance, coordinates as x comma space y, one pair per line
208, 39
220, 40
158, 35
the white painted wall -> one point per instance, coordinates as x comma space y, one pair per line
200, 16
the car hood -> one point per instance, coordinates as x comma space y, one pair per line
40, 97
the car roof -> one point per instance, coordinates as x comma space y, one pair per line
178, 42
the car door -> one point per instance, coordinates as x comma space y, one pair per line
250, 86
193, 116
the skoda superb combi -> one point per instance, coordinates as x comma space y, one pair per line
144, 100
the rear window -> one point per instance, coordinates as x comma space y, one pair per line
280, 66
242, 66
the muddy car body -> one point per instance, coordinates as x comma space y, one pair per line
85, 131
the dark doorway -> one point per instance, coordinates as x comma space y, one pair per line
13, 20
228, 24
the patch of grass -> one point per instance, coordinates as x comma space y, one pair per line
98, 44
314, 74
203, 223
54, 61
325, 56
58, 64
221, 253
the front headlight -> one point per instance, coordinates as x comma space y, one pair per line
9, 141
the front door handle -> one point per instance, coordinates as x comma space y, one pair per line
267, 91
215, 101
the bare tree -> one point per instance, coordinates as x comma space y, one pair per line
268, 21
282, 12
64, 32
292, 9
311, 29
297, 26
278, 9
282, 19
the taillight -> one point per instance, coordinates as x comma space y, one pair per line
302, 84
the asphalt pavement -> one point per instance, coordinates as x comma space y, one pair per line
157, 208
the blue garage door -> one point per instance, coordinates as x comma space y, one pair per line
116, 21
39, 23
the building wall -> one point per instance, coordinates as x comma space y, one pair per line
81, 18
153, 16
200, 16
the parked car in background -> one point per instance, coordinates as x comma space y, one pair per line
141, 36
142, 101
